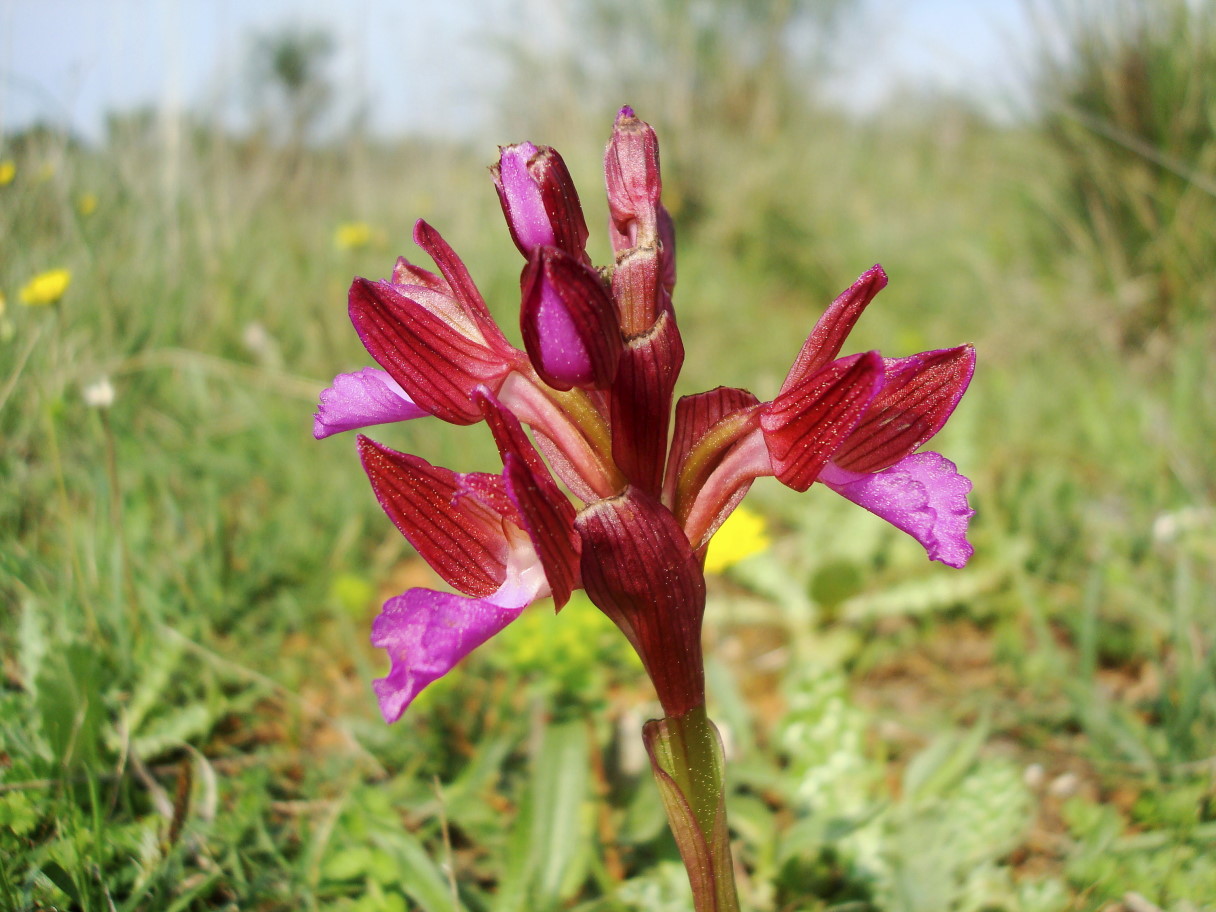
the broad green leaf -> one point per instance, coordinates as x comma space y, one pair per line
168, 731
418, 875
560, 784
69, 703
545, 859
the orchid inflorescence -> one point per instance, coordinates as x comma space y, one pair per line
594, 384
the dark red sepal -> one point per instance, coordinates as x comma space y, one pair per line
549, 523
640, 403
825, 340
918, 394
546, 513
806, 424
436, 364
560, 198
638, 568
459, 536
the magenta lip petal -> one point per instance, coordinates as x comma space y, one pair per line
362, 399
426, 633
525, 202
922, 494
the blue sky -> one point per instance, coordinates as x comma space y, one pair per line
420, 63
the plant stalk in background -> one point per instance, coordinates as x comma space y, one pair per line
650, 484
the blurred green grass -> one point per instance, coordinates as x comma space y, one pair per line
188, 578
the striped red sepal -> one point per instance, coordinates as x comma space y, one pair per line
546, 513
458, 535
413, 333
806, 424
918, 394
825, 340
640, 403
639, 570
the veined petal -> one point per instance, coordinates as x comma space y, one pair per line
427, 632
461, 537
362, 399
549, 523
922, 495
463, 290
640, 403
918, 395
436, 360
825, 340
546, 514
807, 422
638, 569
406, 273
701, 436
725, 488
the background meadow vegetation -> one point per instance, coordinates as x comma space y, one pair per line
187, 579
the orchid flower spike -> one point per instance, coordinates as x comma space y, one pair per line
607, 483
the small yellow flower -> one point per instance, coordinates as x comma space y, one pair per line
45, 288
86, 204
8, 171
353, 236
743, 534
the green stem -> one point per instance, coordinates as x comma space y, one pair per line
689, 767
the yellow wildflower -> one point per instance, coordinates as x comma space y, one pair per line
45, 288
8, 171
86, 204
353, 236
743, 534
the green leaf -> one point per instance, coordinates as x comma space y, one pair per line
560, 785
165, 732
546, 855
943, 763
417, 874
69, 704
32, 644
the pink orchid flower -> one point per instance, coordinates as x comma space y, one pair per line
643, 491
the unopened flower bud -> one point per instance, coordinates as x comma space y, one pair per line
569, 322
631, 170
539, 200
